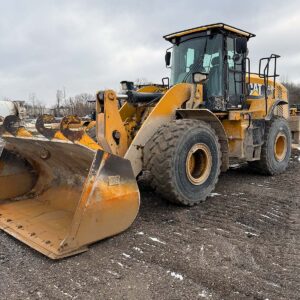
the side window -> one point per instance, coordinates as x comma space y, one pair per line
211, 60
230, 53
190, 57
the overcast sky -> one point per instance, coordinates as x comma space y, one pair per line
85, 46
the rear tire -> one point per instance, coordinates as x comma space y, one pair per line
184, 160
276, 150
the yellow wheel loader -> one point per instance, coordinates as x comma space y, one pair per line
62, 189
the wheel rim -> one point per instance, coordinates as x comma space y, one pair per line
198, 164
280, 147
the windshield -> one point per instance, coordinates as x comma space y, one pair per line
200, 54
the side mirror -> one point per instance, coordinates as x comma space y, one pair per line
241, 45
168, 58
199, 77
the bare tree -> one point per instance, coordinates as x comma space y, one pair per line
40, 108
60, 97
32, 108
294, 92
78, 105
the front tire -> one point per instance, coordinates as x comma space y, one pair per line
184, 160
276, 150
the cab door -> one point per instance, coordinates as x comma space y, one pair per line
235, 76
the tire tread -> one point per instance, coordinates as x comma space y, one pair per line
158, 155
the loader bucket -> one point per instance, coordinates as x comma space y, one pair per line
58, 196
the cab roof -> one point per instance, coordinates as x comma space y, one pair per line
223, 26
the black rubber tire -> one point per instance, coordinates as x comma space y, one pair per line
165, 157
268, 165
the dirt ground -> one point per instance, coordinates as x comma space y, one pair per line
242, 243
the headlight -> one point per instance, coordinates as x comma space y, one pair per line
127, 85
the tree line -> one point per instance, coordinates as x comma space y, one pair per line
84, 103
80, 105
293, 92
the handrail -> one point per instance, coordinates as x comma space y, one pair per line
266, 75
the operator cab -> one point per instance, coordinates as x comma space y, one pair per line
220, 52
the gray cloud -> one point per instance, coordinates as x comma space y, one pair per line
89, 45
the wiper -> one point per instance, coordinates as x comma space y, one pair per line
194, 68
196, 65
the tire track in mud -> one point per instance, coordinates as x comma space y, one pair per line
264, 223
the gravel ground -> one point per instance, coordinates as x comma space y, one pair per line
242, 243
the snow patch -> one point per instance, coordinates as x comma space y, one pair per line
140, 233
204, 294
214, 194
266, 216
177, 233
237, 194
273, 214
251, 233
247, 226
126, 255
274, 284
149, 245
220, 229
138, 249
175, 275
154, 239
113, 273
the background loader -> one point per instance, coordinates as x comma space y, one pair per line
65, 187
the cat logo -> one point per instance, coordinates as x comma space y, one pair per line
258, 90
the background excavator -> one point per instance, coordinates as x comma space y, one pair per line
64, 187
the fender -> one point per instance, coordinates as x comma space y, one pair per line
272, 108
163, 112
